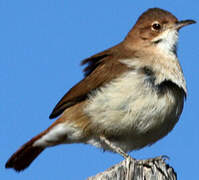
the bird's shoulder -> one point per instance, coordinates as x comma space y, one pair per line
100, 69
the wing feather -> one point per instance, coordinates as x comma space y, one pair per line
100, 69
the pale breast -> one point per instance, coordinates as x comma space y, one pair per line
132, 107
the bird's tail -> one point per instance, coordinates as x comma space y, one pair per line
56, 134
22, 158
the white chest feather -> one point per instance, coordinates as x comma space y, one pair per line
130, 106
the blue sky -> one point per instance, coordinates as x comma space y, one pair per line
41, 46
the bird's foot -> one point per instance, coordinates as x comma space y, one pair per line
147, 162
155, 163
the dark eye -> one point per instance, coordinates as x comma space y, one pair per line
156, 26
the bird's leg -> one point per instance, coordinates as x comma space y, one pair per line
114, 148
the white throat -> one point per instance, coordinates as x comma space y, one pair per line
167, 42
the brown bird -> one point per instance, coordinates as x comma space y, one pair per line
131, 96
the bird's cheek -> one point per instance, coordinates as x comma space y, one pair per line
148, 35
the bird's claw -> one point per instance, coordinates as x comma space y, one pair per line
147, 162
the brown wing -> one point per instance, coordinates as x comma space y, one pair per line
101, 68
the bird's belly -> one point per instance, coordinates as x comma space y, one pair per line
132, 113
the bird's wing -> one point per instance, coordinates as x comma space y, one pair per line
101, 68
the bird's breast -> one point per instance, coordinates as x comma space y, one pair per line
131, 106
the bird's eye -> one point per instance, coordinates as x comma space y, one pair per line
156, 26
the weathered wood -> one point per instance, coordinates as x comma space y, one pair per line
130, 169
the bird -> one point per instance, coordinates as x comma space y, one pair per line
131, 96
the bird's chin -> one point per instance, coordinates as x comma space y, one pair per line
166, 42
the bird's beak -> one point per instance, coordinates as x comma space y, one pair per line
181, 24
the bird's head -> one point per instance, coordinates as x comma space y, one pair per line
156, 28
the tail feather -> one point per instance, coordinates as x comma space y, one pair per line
22, 158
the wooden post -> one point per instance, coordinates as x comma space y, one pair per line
130, 169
